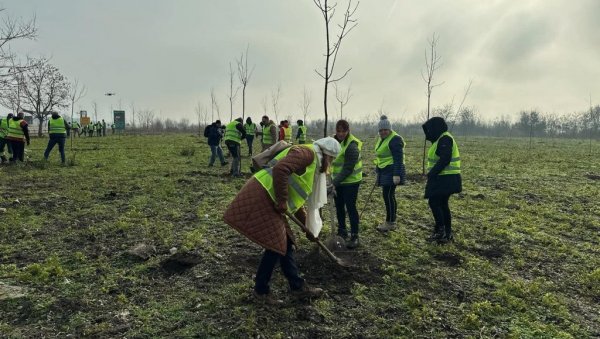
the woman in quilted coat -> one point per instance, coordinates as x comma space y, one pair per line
258, 211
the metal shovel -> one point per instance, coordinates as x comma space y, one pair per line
330, 254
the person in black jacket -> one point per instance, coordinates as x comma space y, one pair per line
443, 177
214, 133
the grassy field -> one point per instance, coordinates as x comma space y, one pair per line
525, 261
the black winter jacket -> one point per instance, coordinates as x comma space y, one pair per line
440, 185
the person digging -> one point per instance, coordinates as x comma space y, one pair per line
295, 184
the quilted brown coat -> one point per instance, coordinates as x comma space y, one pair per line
253, 213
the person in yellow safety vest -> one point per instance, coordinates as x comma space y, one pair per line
250, 128
443, 176
287, 131
91, 129
234, 134
99, 128
3, 140
389, 162
346, 179
18, 133
75, 129
259, 212
301, 136
268, 133
57, 129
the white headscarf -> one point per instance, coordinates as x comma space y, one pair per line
318, 197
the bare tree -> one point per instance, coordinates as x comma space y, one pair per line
232, 95
132, 108
432, 64
462, 102
305, 104
12, 29
76, 92
214, 105
244, 74
146, 117
201, 115
44, 89
342, 97
95, 108
265, 104
275, 96
333, 47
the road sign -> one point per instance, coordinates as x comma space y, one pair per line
119, 119
85, 121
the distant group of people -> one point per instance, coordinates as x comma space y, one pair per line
259, 210
236, 131
92, 129
14, 134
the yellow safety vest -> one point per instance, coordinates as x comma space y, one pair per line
232, 133
302, 138
250, 128
57, 126
267, 135
432, 158
338, 163
383, 153
3, 127
14, 129
299, 186
288, 134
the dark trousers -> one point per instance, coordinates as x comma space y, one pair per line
236, 163
18, 148
346, 197
441, 213
389, 197
249, 141
288, 266
4, 142
216, 151
56, 139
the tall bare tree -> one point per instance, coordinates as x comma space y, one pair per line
275, 96
342, 97
305, 104
132, 108
232, 94
244, 74
432, 64
146, 117
95, 108
332, 46
214, 105
44, 89
264, 103
76, 92
12, 29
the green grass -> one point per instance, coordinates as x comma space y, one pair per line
525, 261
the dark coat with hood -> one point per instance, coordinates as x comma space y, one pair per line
440, 185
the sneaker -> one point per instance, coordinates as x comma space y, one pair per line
307, 292
386, 226
446, 238
267, 299
354, 242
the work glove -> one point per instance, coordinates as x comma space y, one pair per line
396, 179
281, 207
310, 236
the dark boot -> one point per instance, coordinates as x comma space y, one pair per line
307, 292
448, 236
354, 242
437, 235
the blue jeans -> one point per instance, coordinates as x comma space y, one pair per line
56, 139
214, 152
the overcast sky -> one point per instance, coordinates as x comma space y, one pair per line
167, 55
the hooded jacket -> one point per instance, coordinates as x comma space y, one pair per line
440, 185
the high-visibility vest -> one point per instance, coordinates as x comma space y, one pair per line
302, 137
92, 127
57, 126
14, 129
3, 127
299, 186
338, 164
383, 153
288, 134
250, 128
232, 133
75, 125
267, 137
432, 158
